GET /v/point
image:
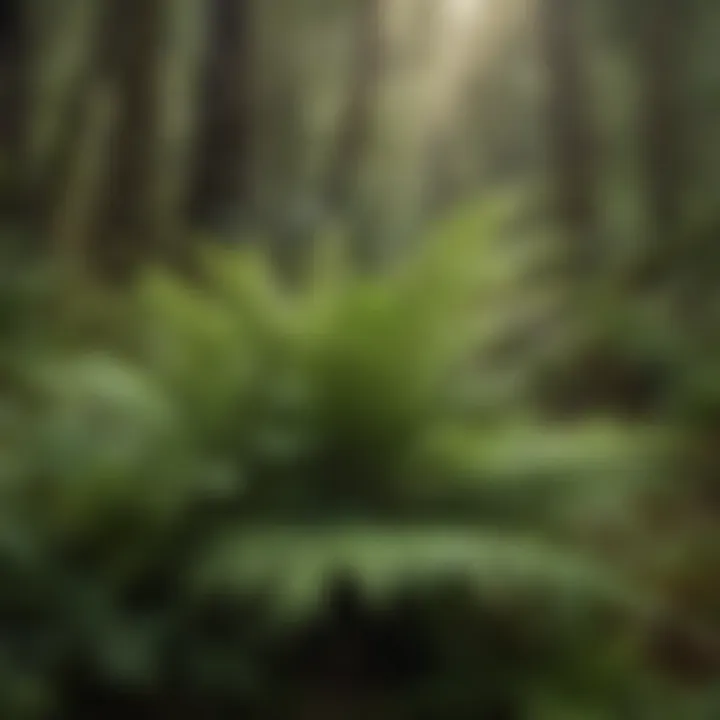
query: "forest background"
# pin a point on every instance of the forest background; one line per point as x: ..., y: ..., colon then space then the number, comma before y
x: 359, y: 358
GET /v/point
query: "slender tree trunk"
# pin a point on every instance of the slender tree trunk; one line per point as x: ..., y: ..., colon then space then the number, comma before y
x: 221, y: 191
x: 355, y: 129
x: 571, y: 136
x: 71, y: 223
x: 13, y: 101
x: 662, y: 123
x: 178, y: 112
x: 284, y: 202
x: 128, y: 227
x: 62, y: 54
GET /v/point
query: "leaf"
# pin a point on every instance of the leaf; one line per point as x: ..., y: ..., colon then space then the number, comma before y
x: 296, y: 561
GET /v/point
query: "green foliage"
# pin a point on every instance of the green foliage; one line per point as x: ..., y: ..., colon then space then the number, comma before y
x: 141, y: 476
x: 168, y: 452
x: 339, y: 376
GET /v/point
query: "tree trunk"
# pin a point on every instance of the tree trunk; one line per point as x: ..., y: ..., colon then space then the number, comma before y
x: 128, y: 228
x: 221, y: 192
x: 13, y: 101
x: 62, y: 58
x: 662, y: 125
x: 356, y: 125
x: 571, y: 136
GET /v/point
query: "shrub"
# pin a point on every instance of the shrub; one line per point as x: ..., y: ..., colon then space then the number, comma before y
x: 144, y: 475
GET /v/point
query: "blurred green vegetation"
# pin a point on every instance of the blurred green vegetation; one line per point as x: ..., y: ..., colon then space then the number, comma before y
x: 358, y: 360
x: 202, y: 443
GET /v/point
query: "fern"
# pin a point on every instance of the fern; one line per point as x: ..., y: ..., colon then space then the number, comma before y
x: 337, y: 415
x: 386, y: 558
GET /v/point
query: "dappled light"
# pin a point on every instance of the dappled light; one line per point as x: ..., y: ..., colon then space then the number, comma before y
x: 359, y: 359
